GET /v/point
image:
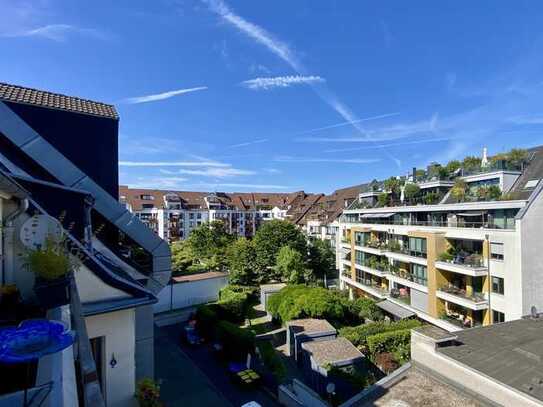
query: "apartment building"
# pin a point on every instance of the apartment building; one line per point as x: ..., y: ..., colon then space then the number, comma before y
x: 58, y: 160
x: 459, y: 250
x: 174, y: 214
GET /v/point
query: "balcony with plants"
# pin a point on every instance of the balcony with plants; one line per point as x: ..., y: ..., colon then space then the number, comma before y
x: 374, y: 285
x: 464, y: 260
x: 372, y: 264
x: 465, y: 292
x: 43, y: 336
x: 409, y: 273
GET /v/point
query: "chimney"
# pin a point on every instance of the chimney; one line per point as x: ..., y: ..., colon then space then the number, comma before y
x: 414, y: 174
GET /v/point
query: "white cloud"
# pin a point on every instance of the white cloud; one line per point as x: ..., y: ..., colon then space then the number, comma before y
x: 58, y: 32
x: 172, y: 164
x: 425, y: 141
x: 526, y: 119
x: 289, y: 159
x: 161, y: 96
x: 248, y: 143
x: 280, y: 82
x: 213, y: 172
x: 272, y: 170
x: 255, y: 32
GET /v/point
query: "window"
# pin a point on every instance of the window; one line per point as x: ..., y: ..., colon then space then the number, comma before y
x: 498, y: 316
x: 497, y: 285
x: 147, y: 206
x: 531, y: 184
x: 191, y: 216
x: 419, y: 274
x: 496, y: 251
x: 417, y: 246
x: 147, y: 197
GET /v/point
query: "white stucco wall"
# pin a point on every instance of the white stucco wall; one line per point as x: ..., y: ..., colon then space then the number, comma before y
x: 531, y: 250
x: 118, y: 330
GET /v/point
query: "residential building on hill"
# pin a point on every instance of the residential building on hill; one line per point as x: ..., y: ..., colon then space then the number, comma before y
x: 458, y: 249
x: 59, y: 178
x: 174, y: 214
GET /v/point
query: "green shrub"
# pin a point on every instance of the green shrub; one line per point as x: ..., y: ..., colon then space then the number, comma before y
x: 366, y: 308
x: 236, y: 301
x: 234, y: 288
x: 395, y: 342
x: 299, y: 301
x: 207, y: 318
x: 236, y: 341
x: 359, y: 335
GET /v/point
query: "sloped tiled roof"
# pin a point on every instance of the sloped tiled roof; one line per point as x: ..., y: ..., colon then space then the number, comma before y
x: 533, y: 172
x: 196, y: 200
x: 29, y: 96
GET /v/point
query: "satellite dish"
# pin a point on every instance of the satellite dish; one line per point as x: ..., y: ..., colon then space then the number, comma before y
x: 330, y: 388
x: 36, y: 229
x: 533, y: 312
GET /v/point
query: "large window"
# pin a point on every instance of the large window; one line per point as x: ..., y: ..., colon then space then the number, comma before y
x: 147, y: 197
x: 497, y: 285
x: 417, y: 246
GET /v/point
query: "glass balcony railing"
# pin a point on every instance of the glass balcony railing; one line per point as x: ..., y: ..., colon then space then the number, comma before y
x: 441, y: 224
x: 418, y: 279
x: 462, y: 293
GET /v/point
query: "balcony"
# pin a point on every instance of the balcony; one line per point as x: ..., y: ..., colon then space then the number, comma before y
x: 409, y: 280
x: 469, y: 264
x: 67, y: 378
x: 376, y: 247
x: 476, y: 301
x: 405, y: 255
x: 367, y: 286
x: 348, y: 218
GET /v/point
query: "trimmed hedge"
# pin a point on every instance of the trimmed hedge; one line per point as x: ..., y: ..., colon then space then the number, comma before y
x: 236, y: 341
x: 367, y: 308
x: 359, y: 335
x: 395, y: 342
x: 236, y: 302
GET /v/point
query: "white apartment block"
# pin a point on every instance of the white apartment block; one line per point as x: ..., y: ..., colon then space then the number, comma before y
x: 457, y: 262
x: 173, y: 215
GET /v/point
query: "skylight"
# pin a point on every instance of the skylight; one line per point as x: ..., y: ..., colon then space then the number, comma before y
x: 531, y: 184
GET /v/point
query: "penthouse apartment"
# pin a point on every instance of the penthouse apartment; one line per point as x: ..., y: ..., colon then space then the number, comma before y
x: 174, y: 214
x: 458, y: 246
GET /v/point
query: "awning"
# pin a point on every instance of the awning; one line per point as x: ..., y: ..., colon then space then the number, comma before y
x: 471, y: 214
x: 394, y: 309
x: 378, y: 215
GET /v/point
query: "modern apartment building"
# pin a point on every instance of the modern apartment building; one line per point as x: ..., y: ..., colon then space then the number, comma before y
x: 58, y: 160
x: 459, y: 250
x: 174, y: 214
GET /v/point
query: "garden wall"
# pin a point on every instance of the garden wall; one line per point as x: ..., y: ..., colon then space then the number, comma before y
x: 187, y: 291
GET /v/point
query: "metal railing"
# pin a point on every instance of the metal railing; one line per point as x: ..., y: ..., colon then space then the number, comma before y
x: 444, y: 224
x: 462, y: 293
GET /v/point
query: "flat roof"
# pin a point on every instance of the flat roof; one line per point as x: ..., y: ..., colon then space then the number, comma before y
x: 310, y: 325
x: 395, y: 309
x: 435, y: 333
x: 510, y: 353
x: 272, y: 287
x: 417, y: 388
x: 199, y: 276
x: 332, y: 351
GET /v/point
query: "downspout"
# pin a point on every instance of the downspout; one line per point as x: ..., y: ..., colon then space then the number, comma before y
x: 7, y: 239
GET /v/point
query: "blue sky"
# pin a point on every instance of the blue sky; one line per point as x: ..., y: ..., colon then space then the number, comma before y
x: 288, y: 95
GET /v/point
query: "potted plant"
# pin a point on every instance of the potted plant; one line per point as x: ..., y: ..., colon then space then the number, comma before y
x: 148, y: 393
x: 52, y: 263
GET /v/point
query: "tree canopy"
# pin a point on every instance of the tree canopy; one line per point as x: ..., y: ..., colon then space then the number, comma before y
x: 241, y: 262
x: 291, y: 266
x: 272, y: 236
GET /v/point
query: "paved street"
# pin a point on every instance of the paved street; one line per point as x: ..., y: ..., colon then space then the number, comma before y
x: 192, y: 377
x: 182, y: 382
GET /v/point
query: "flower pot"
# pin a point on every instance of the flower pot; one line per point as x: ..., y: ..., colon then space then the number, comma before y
x: 52, y: 293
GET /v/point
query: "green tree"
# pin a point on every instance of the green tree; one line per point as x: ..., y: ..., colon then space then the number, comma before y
x: 411, y: 190
x: 208, y: 242
x: 182, y: 257
x: 459, y: 190
x: 322, y: 259
x: 517, y: 156
x: 382, y: 199
x: 291, y: 266
x: 269, y: 239
x: 393, y: 185
x: 241, y: 262
x: 471, y: 163
x: 453, y: 166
